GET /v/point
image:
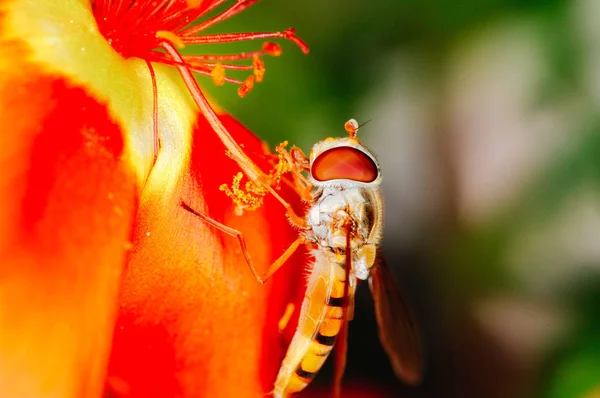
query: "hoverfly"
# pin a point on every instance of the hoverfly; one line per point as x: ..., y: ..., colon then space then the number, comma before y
x: 343, y: 229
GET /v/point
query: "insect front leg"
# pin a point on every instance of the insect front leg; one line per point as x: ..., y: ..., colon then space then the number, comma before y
x: 240, y: 237
x: 298, y: 163
x: 279, y: 262
x: 295, y: 162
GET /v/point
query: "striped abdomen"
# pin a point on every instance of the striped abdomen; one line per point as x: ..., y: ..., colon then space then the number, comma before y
x: 318, y: 326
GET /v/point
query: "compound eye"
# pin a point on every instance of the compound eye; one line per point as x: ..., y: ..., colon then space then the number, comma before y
x: 344, y: 163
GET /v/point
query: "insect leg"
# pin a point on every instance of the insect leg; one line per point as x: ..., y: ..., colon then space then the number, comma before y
x: 280, y: 261
x: 289, y: 211
x: 300, y: 159
x: 298, y: 163
x: 240, y: 237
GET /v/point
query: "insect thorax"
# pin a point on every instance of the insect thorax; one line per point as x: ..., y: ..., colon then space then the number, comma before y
x: 337, y: 212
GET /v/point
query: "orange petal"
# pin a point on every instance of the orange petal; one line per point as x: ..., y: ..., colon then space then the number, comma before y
x: 65, y: 220
x: 194, y: 322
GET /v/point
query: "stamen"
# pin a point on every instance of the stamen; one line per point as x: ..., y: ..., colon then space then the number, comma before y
x: 251, y: 196
x: 289, y: 34
x: 218, y: 74
x: 259, y: 68
x: 126, y: 25
x: 206, y: 72
x: 236, y: 8
x: 248, y: 198
x: 282, y: 167
x: 171, y: 37
x: 221, y: 57
x: 272, y: 49
x: 158, y: 8
x: 246, y: 87
x: 224, y: 66
x: 211, y: 7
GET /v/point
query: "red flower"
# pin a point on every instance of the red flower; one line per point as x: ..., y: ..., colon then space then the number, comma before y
x: 92, y: 232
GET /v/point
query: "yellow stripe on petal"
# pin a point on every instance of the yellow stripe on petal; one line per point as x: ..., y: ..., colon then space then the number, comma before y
x: 64, y: 39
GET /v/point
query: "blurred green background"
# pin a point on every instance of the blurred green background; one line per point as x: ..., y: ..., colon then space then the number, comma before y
x: 484, y: 116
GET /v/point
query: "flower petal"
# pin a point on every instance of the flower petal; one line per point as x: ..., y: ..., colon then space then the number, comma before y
x: 65, y: 220
x: 194, y: 321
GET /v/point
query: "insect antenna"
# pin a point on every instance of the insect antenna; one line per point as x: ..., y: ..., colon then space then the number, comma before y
x: 363, y: 124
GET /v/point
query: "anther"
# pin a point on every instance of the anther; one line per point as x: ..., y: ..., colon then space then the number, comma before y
x: 171, y: 38
x: 259, y: 68
x: 290, y: 34
x: 218, y: 74
x: 273, y: 49
x: 246, y: 86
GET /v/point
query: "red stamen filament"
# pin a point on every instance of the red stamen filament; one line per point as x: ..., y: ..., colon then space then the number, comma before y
x: 230, y: 12
x: 228, y: 66
x: 233, y: 37
x: 252, y: 171
x: 221, y: 57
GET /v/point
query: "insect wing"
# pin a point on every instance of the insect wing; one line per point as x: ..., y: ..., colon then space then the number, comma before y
x: 397, y: 329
